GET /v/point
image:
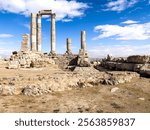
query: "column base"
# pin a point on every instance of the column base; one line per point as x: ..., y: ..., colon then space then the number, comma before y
x: 68, y: 53
x: 83, y: 59
x: 39, y: 49
x: 83, y: 53
x: 52, y: 54
x: 34, y: 51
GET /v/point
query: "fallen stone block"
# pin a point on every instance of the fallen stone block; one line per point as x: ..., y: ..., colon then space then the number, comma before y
x: 138, y: 59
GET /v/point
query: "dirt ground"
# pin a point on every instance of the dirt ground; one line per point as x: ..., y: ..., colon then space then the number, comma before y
x: 130, y: 97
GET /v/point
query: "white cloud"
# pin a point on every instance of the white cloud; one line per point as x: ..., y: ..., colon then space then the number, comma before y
x: 120, y: 5
x: 127, y: 32
x: 63, y: 8
x: 119, y: 50
x: 6, y: 35
x: 130, y: 22
x: 66, y: 20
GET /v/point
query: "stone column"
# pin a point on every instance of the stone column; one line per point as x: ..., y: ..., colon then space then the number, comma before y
x: 39, y: 34
x: 33, y: 32
x: 53, y: 34
x: 68, y: 44
x: 24, y: 43
x: 82, y: 51
x: 83, y: 59
x: 83, y: 40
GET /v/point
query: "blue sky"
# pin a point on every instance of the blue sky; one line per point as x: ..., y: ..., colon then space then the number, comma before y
x: 116, y: 27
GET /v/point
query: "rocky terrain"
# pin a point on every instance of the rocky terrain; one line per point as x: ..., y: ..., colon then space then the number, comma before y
x: 50, y: 88
x: 33, y: 81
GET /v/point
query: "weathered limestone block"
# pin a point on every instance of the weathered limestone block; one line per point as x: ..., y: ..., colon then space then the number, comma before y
x: 35, y: 90
x: 7, y: 90
x: 120, y: 77
x: 29, y: 60
x: 145, y: 72
x: 137, y: 67
x: 110, y: 65
x: 83, y: 60
x: 143, y: 69
x: 125, y: 66
x: 83, y: 70
x: 138, y: 59
x: 118, y: 66
x: 119, y: 59
x: 25, y: 43
x: 41, y: 63
x: 113, y: 90
x: 23, y: 62
x: 13, y: 64
x: 145, y: 66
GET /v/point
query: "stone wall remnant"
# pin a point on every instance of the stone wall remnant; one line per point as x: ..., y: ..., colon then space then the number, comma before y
x: 25, y: 43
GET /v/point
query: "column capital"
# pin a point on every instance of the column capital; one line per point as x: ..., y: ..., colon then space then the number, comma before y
x: 83, y: 32
x: 53, y: 15
x: 39, y: 15
x: 69, y: 40
x: 33, y: 14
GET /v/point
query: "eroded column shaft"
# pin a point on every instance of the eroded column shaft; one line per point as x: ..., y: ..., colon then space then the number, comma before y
x: 33, y: 32
x: 53, y: 34
x: 69, y: 45
x: 83, y: 40
x: 39, y: 34
x: 25, y: 41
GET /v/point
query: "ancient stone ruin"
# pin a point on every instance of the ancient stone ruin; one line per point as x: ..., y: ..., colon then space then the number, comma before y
x: 136, y: 63
x: 59, y: 72
x: 32, y: 56
x: 36, y: 33
x: 83, y: 60
x: 68, y: 45
x: 25, y: 43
